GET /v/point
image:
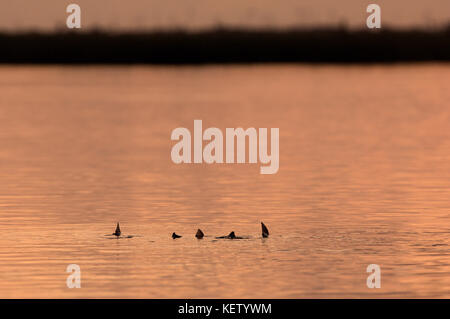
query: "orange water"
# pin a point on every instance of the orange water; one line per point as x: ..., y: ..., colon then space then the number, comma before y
x: 364, y: 179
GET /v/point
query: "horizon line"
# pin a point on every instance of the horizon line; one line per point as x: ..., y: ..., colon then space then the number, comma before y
x: 444, y: 27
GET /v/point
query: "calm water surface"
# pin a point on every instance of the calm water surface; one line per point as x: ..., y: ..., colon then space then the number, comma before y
x: 364, y: 179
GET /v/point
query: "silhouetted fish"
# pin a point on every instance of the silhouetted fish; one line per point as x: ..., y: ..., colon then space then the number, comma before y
x: 117, y: 232
x: 199, y: 234
x: 230, y: 236
x: 175, y: 236
x: 265, y: 231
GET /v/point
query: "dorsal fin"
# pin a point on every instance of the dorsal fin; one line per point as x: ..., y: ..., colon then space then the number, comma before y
x: 265, y: 231
x: 232, y: 235
x: 199, y: 234
x: 117, y: 232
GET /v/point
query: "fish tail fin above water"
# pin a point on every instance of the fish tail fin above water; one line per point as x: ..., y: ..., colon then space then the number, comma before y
x: 174, y: 236
x: 199, y: 234
x: 117, y: 232
x: 265, y: 231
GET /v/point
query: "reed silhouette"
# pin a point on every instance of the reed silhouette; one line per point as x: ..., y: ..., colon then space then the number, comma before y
x: 227, y: 46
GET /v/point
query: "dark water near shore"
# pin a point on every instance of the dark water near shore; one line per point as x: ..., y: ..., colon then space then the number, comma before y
x: 364, y: 179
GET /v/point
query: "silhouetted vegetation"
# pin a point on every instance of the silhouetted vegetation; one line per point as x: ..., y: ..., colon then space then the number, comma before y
x: 227, y: 46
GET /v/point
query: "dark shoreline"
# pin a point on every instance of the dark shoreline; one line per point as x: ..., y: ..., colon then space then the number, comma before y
x: 226, y: 46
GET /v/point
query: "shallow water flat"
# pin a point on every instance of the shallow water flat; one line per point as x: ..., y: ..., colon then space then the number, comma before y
x: 364, y: 179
